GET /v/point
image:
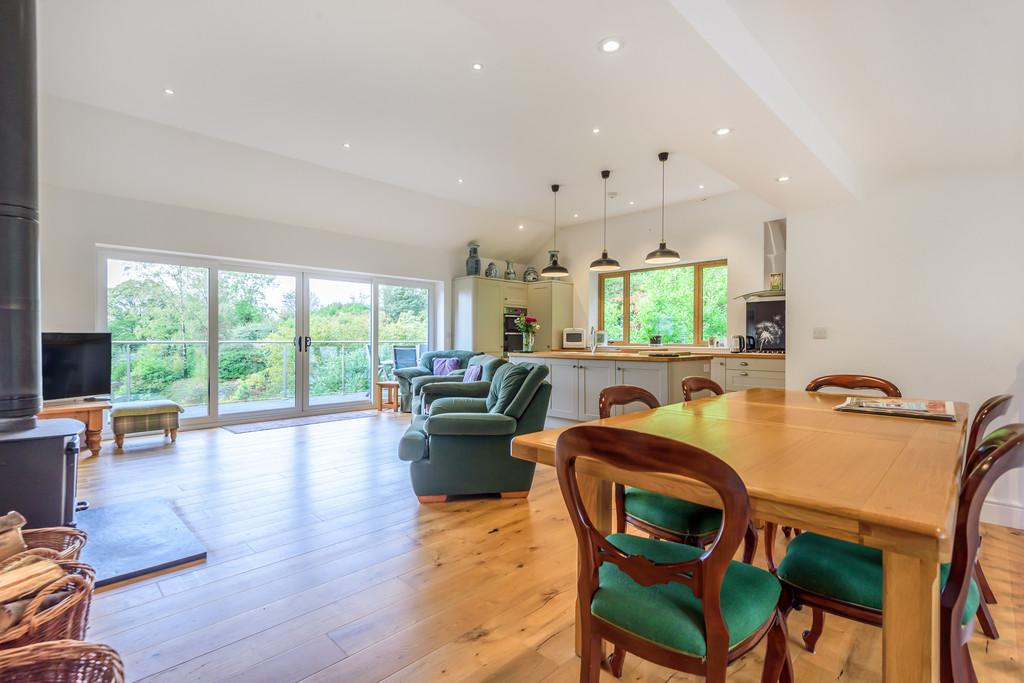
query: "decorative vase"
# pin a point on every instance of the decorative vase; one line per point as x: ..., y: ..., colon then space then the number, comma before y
x: 510, y: 271
x: 530, y: 274
x: 492, y: 270
x: 473, y: 261
x: 527, y: 342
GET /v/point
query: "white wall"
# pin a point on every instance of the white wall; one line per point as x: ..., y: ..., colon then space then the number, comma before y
x: 72, y: 223
x: 729, y: 226
x: 921, y: 283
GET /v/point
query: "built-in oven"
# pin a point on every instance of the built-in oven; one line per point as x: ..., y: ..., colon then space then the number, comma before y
x: 513, y: 337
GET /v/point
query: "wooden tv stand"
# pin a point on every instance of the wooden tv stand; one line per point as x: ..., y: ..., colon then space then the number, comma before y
x: 88, y: 412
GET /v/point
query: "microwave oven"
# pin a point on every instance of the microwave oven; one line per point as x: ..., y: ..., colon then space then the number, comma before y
x: 574, y: 338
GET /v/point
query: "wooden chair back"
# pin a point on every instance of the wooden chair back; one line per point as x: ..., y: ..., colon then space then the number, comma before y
x: 638, y: 452
x: 623, y: 395
x: 997, y: 454
x: 854, y: 382
x: 989, y: 411
x: 693, y: 384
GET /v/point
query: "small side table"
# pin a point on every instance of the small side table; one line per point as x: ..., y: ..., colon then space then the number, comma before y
x: 387, y: 395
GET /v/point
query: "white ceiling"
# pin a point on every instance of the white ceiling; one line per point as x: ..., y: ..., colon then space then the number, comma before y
x: 824, y: 92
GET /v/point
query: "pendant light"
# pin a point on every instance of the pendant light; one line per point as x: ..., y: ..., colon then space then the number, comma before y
x: 605, y: 264
x: 554, y: 269
x: 662, y: 255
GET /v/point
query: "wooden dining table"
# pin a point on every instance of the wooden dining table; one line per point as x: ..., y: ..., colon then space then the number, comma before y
x: 881, y: 481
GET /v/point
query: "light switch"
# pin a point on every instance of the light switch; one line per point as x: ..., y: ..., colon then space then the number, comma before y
x: 820, y: 333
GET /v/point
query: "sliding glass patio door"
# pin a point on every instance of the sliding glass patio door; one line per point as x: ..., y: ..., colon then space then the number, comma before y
x: 231, y: 341
x: 337, y: 343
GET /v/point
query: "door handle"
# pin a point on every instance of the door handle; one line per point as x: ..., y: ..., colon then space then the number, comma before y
x: 744, y: 374
x: 307, y: 341
x: 744, y: 363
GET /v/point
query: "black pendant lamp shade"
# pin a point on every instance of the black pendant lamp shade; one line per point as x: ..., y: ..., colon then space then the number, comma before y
x: 554, y: 268
x: 662, y: 255
x: 605, y: 264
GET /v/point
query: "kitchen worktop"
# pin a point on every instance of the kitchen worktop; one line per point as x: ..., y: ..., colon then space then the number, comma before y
x: 632, y: 355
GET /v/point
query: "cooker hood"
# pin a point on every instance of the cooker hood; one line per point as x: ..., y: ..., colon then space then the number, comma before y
x: 774, y: 261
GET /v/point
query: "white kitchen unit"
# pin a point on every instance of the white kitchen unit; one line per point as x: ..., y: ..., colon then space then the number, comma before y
x: 718, y: 371
x: 550, y: 303
x: 748, y: 373
x: 576, y: 383
x: 478, y: 309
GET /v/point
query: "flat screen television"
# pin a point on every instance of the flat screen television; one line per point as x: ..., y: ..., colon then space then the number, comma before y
x: 76, y: 364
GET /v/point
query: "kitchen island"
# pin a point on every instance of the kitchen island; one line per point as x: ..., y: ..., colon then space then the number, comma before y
x: 578, y: 376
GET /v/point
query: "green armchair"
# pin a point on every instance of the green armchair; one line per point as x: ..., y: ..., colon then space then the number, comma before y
x: 463, y: 446
x: 425, y: 368
x: 427, y: 388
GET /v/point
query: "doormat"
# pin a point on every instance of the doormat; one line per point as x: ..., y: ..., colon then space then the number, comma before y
x: 298, y: 421
x: 132, y: 539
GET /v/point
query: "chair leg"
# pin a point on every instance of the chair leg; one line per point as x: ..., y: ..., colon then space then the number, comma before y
x: 769, y: 546
x: 514, y: 494
x: 432, y: 499
x: 986, y: 589
x: 590, y: 660
x: 786, y: 531
x: 119, y: 440
x: 620, y: 508
x: 750, y: 543
x: 174, y: 434
x: 811, y: 635
x: 777, y: 664
x: 616, y: 660
x: 988, y: 624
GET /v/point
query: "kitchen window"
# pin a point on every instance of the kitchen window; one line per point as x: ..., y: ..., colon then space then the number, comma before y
x: 685, y: 304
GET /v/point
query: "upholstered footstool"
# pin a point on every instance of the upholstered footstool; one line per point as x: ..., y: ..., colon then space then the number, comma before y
x: 144, y: 416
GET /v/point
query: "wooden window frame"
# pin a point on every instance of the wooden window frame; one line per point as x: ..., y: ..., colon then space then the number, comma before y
x: 698, y: 297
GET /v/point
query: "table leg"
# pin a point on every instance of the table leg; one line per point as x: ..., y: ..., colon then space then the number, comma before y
x: 910, y: 629
x: 597, y: 499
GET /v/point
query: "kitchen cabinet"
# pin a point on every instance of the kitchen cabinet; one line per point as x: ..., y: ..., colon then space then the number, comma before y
x: 478, y: 310
x: 718, y: 371
x: 594, y: 376
x: 576, y: 384
x: 563, y: 374
x: 513, y: 294
x: 750, y: 373
x: 650, y: 376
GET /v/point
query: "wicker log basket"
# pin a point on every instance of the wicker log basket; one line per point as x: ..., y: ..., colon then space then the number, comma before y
x: 65, y: 541
x: 66, y: 619
x: 61, y: 661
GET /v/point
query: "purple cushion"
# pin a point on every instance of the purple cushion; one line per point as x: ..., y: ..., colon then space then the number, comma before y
x: 473, y: 373
x: 445, y: 366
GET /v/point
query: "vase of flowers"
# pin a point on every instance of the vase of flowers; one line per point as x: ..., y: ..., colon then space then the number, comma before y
x: 528, y: 325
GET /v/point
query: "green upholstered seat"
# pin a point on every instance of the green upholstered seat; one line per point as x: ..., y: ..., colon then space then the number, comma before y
x: 681, y: 516
x: 847, y: 572
x: 670, y: 614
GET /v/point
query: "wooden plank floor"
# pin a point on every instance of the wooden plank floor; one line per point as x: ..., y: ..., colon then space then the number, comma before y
x: 323, y: 567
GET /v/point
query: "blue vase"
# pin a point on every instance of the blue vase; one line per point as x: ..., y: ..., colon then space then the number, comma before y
x: 473, y: 262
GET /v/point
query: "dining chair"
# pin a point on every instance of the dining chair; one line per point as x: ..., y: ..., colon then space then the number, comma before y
x: 673, y: 604
x: 838, y: 381
x: 999, y: 452
x: 691, y: 385
x: 989, y: 410
x: 659, y: 516
x: 846, y: 579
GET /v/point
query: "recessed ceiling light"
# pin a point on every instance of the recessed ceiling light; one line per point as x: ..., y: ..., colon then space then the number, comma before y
x: 700, y: 187
x: 478, y: 67
x: 521, y: 227
x: 168, y: 91
x: 631, y: 202
x: 575, y: 215
x: 723, y: 131
x: 782, y: 179
x: 459, y: 180
x: 596, y: 131
x: 610, y: 45
x: 347, y: 145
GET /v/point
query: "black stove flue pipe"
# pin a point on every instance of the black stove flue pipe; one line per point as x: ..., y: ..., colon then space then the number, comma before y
x: 20, y: 363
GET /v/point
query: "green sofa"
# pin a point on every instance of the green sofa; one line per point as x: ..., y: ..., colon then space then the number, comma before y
x: 430, y: 387
x: 463, y: 446
x: 425, y: 368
